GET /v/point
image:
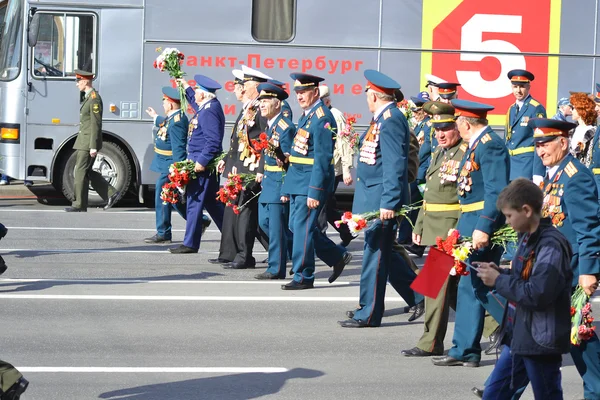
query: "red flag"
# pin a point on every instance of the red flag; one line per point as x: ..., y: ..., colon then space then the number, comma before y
x: 434, y: 273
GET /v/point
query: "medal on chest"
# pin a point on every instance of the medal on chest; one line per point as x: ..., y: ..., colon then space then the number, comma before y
x: 465, y: 182
x: 552, y: 207
x: 162, y: 133
x: 193, y: 125
x: 368, y: 150
x: 449, y: 171
x: 301, y: 141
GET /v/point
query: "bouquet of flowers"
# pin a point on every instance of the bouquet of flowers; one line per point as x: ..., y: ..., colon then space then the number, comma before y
x: 171, y: 60
x: 405, y: 106
x: 349, y: 135
x: 212, y: 166
x: 180, y: 174
x: 233, y: 187
x: 358, y: 222
x: 582, y: 327
x: 260, y: 144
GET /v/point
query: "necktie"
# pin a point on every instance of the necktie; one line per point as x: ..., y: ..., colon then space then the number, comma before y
x: 517, y: 108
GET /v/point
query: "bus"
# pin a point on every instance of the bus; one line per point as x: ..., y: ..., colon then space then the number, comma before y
x: 472, y: 42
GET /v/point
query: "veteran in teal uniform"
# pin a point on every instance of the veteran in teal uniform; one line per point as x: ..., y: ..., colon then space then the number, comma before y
x: 382, y: 185
x: 524, y: 163
x: 483, y: 173
x: 571, y: 201
x: 273, y: 214
x: 307, y: 185
x: 448, y: 91
x: 286, y: 110
x: 170, y: 143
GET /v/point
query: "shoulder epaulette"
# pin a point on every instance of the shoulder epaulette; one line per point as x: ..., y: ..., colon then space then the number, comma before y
x: 177, y: 117
x: 207, y: 106
x: 282, y: 124
x: 463, y: 147
x: 486, y: 138
x: 93, y: 94
x: 320, y: 113
x: 570, y: 169
x: 387, y: 114
x: 534, y: 102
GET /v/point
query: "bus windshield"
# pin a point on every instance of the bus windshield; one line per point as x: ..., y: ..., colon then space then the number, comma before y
x: 10, y: 41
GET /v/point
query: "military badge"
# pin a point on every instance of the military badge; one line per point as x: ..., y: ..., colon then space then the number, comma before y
x: 162, y: 133
x: 96, y: 108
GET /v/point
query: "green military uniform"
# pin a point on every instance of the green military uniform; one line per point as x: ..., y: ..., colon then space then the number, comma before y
x: 9, y: 376
x: 439, y: 214
x: 89, y: 137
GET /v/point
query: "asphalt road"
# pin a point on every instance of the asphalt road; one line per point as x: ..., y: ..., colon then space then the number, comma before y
x: 89, y: 311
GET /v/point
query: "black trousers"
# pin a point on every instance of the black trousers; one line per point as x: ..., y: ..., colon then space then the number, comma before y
x: 330, y: 214
x: 240, y: 230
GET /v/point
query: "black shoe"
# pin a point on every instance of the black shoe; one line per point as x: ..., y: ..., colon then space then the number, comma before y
x: 3, y: 267
x: 267, y: 275
x: 339, y: 267
x: 448, y: 361
x: 477, y: 392
x: 417, y: 352
x: 205, y: 224
x: 74, y: 209
x: 238, y: 265
x: 3, y: 231
x: 157, y: 240
x: 494, y: 341
x: 218, y: 261
x: 418, y: 312
x: 293, y: 285
x: 16, y: 390
x: 182, y: 250
x: 416, y: 250
x: 353, y: 323
x: 291, y: 271
x: 112, y: 200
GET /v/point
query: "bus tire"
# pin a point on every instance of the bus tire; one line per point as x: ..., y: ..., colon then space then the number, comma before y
x: 114, y: 167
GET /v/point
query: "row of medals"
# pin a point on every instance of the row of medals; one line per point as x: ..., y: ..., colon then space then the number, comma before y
x: 368, y: 151
x: 162, y: 133
x: 464, y: 181
x: 248, y: 157
x: 274, y: 142
x: 449, y: 171
x: 301, y: 142
x: 552, y: 200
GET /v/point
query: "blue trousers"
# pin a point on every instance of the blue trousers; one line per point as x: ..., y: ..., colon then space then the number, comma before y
x: 515, y: 371
x: 471, y: 304
x: 308, y: 239
x: 273, y: 220
x: 201, y: 193
x: 379, y: 264
x: 163, y: 211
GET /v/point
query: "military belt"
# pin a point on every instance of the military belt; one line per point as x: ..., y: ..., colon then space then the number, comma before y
x: 273, y: 168
x: 471, y: 207
x: 163, y: 152
x: 433, y: 207
x: 596, y: 171
x: 521, y: 150
x: 303, y: 160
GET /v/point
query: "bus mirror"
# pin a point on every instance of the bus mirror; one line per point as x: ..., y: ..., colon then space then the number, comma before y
x: 33, y: 28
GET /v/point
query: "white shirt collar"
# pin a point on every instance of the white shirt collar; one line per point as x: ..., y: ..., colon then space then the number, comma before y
x: 88, y: 91
x: 476, y: 136
x: 378, y: 112
x: 271, y: 121
x: 172, y: 112
x: 313, y: 105
x: 551, y: 171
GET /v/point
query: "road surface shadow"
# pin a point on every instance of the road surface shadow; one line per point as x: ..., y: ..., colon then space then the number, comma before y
x: 227, y: 387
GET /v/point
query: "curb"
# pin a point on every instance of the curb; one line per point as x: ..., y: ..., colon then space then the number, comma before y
x: 17, y: 189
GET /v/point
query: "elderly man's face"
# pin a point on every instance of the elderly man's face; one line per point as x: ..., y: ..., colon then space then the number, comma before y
x: 448, y: 136
x: 307, y: 97
x: 553, y: 151
x: 269, y: 108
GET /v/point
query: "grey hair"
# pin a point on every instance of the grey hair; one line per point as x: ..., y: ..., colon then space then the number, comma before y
x: 383, y: 96
x: 476, y: 121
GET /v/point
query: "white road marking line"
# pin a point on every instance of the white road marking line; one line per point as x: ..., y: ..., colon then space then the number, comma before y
x: 90, y: 211
x: 48, y: 228
x: 105, y: 281
x: 290, y: 298
x: 76, y: 251
x: 137, y: 370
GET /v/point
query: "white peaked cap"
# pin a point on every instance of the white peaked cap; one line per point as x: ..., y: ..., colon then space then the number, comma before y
x: 252, y: 72
x: 323, y: 91
x: 238, y: 74
x: 434, y: 79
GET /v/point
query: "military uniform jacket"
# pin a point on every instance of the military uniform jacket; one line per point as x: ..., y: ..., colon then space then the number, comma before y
x: 313, y: 145
x: 595, y: 163
x: 440, y: 193
x: 90, y: 123
x: 286, y: 110
x: 524, y: 161
x: 171, y: 137
x: 571, y: 201
x: 205, y: 130
x: 483, y: 173
x: 249, y: 125
x: 429, y: 145
x: 382, y: 169
x: 280, y: 134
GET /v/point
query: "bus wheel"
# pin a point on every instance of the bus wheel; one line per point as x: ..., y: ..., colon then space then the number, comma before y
x: 111, y: 162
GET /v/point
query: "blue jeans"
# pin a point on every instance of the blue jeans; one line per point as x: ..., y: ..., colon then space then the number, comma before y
x: 513, y: 371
